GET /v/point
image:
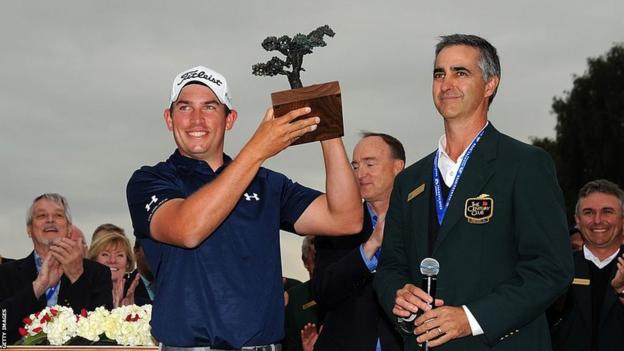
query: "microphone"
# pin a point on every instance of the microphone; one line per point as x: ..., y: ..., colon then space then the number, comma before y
x: 429, y: 268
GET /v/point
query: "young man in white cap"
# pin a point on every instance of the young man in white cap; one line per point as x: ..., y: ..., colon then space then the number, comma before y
x: 209, y: 224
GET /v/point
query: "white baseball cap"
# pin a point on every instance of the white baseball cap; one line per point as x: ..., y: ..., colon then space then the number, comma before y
x: 204, y: 75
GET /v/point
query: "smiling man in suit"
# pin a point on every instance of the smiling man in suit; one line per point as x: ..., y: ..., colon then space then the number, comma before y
x: 346, y: 265
x: 488, y: 208
x: 55, y: 272
x: 591, y: 314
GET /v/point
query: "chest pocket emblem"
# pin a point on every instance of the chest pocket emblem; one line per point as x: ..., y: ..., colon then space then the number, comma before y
x: 479, y: 210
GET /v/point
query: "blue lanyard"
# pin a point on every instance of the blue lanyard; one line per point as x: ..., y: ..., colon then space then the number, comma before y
x: 440, y: 207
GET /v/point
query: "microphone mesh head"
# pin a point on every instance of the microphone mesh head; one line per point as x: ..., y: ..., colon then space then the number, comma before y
x: 429, y: 267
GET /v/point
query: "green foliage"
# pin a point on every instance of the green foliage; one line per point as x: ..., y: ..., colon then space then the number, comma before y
x: 30, y: 340
x: 590, y: 126
x: 293, y: 49
x: 41, y: 339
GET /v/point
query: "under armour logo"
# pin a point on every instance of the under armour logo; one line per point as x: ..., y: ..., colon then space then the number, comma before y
x: 249, y: 197
x: 148, y: 206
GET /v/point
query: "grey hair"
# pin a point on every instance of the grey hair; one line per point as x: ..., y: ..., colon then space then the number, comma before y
x: 57, y: 198
x: 306, y: 247
x: 488, y: 58
x: 600, y: 186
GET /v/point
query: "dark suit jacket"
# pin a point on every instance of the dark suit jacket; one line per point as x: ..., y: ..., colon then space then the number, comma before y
x: 93, y: 288
x: 6, y: 260
x: 506, y: 271
x: 573, y: 329
x: 301, y: 309
x: 343, y: 288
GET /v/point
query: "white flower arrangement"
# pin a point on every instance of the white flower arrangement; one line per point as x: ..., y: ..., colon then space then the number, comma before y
x: 92, y: 326
x: 62, y: 327
x: 129, y: 325
x: 58, y: 325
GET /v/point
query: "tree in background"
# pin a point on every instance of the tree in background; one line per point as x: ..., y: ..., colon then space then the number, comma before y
x: 589, y: 141
x: 294, y: 49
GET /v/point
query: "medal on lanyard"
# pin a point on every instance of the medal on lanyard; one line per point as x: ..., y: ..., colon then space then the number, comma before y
x: 440, y: 206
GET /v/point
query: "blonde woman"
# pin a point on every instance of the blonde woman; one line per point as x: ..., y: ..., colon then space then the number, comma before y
x: 114, y: 251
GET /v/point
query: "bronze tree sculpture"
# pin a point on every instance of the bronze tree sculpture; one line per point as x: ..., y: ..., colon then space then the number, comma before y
x: 294, y: 49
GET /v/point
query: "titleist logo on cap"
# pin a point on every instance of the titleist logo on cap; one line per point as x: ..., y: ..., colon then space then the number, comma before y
x: 200, y: 75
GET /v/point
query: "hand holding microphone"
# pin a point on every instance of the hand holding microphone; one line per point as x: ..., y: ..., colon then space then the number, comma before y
x: 434, y: 326
x: 412, y: 301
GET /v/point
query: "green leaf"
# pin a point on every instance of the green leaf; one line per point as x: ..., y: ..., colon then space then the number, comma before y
x: 39, y: 339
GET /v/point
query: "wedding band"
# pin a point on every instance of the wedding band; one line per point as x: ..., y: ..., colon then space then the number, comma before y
x: 440, y: 331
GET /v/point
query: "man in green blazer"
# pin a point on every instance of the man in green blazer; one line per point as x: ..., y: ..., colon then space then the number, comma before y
x: 488, y: 208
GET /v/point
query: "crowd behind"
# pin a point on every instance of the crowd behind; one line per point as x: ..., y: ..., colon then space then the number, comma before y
x: 109, y: 272
x: 131, y: 278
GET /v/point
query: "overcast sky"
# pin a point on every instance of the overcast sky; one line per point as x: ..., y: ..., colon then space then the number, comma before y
x: 84, y: 83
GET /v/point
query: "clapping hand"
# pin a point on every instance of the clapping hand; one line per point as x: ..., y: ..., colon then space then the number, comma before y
x: 69, y: 253
x: 118, y: 291
x: 309, y: 335
x: 49, y: 275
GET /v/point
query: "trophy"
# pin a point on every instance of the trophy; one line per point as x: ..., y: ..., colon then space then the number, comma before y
x: 323, y: 99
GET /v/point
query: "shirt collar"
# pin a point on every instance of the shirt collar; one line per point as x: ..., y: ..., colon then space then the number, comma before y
x: 196, y: 165
x: 442, y: 147
x: 372, y: 214
x: 38, y: 261
x: 148, y: 286
x: 595, y: 260
x: 446, y: 164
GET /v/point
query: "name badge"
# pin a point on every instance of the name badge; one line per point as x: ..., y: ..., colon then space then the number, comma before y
x: 581, y: 281
x: 415, y: 192
x: 308, y: 305
x: 479, y: 210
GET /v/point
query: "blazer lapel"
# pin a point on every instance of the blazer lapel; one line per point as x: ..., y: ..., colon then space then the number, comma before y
x: 610, y: 299
x: 367, y: 225
x: 478, y: 171
x: 582, y: 293
x: 29, y: 269
x: 62, y: 298
x: 420, y: 203
x: 28, y: 266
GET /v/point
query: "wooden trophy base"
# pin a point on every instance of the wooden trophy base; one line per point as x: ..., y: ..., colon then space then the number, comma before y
x: 325, y: 102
